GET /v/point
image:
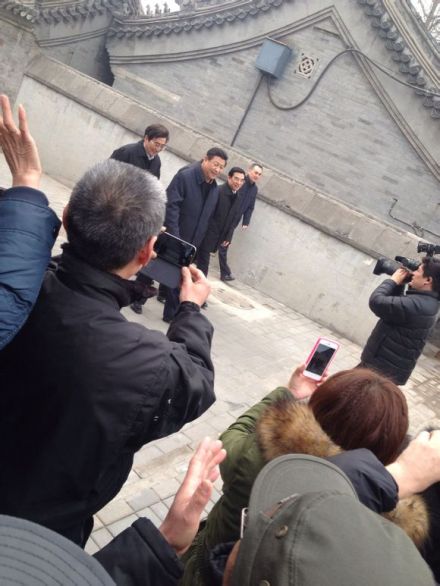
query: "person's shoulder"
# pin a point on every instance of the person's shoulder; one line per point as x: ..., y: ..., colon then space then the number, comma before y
x: 224, y: 187
x: 191, y: 169
x: 189, y: 173
x: 127, y: 149
x: 428, y: 300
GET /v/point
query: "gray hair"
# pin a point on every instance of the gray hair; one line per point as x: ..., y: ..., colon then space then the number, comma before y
x: 113, y: 210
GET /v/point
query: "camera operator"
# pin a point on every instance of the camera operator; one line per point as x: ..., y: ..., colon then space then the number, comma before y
x: 406, y: 320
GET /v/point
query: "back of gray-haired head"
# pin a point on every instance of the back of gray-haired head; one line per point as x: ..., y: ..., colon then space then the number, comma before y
x: 113, y: 210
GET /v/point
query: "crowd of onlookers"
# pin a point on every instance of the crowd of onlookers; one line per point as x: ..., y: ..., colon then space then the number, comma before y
x: 321, y: 483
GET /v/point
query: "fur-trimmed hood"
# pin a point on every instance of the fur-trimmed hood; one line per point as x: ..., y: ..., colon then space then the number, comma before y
x: 289, y: 427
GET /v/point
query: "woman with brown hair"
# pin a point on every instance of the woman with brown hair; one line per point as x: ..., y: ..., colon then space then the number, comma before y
x: 355, y: 408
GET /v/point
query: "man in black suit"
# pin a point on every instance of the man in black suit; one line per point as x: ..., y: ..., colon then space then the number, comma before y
x: 247, y: 197
x: 145, y: 155
x: 192, y: 198
x: 224, y: 220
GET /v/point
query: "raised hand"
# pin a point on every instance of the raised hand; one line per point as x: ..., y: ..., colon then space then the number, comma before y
x: 19, y: 147
x: 302, y: 386
x: 418, y: 466
x: 182, y: 521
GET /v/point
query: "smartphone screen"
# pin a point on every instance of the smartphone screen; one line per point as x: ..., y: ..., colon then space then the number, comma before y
x: 173, y: 250
x: 320, y: 359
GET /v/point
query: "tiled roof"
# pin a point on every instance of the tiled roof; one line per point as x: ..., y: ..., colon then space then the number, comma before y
x: 193, y: 21
x: 383, y: 23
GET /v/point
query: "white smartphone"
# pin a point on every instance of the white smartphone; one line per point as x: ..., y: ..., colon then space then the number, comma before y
x: 320, y: 358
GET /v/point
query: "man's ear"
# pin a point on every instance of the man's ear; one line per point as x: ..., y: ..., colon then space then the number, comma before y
x: 146, y: 253
x: 65, y: 215
x: 429, y: 281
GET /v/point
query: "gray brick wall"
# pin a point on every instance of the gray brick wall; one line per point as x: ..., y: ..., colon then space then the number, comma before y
x: 342, y: 142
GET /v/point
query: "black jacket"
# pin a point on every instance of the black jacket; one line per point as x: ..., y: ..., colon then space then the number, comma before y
x: 400, y: 335
x: 188, y: 210
x: 82, y: 389
x: 374, y: 485
x: 224, y: 220
x: 134, y: 154
x: 140, y: 556
x: 248, y: 195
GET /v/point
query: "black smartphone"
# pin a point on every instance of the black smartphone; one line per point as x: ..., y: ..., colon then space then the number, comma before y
x: 174, y: 250
x: 172, y: 254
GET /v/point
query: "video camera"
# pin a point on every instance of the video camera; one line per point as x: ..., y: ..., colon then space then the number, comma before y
x: 389, y: 266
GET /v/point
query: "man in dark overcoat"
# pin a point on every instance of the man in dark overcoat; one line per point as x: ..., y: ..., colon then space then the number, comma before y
x: 224, y: 220
x: 145, y: 155
x: 192, y: 198
x: 83, y: 388
x: 248, y: 195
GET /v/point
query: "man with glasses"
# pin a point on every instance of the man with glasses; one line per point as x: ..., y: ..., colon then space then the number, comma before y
x: 145, y: 155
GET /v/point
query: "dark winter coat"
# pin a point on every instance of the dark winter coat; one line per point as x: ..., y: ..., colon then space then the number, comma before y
x: 374, y: 485
x: 188, y: 211
x: 276, y: 426
x: 400, y: 335
x: 140, y: 556
x: 28, y: 229
x: 224, y: 220
x: 248, y: 195
x: 82, y: 389
x: 135, y: 154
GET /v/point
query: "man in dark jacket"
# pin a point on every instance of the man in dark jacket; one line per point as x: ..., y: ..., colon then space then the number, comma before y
x: 224, y: 220
x: 82, y: 389
x: 145, y: 155
x: 405, y: 320
x: 192, y: 198
x: 28, y: 227
x: 248, y: 195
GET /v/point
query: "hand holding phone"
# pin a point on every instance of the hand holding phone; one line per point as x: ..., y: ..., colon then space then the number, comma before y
x: 320, y: 358
x: 195, y: 286
x: 300, y: 386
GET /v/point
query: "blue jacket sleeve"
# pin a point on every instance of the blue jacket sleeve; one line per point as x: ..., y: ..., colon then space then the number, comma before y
x: 28, y: 229
x: 140, y: 555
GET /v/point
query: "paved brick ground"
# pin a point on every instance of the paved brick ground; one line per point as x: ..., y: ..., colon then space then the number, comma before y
x: 257, y: 343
